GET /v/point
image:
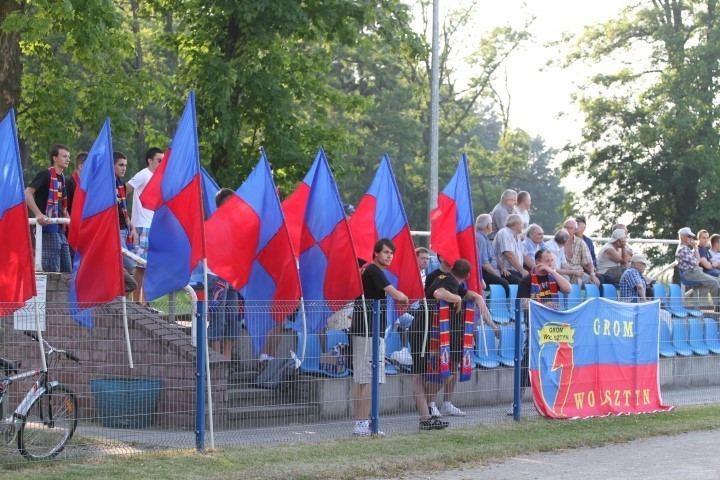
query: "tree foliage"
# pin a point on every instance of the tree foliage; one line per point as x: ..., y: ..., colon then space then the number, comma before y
x: 650, y: 142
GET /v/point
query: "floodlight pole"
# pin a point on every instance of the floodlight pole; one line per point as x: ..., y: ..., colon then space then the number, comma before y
x: 434, y: 107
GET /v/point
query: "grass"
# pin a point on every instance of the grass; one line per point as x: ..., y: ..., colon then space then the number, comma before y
x: 390, y: 456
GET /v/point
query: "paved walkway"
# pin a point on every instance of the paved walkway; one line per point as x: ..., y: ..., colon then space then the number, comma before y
x: 687, y: 456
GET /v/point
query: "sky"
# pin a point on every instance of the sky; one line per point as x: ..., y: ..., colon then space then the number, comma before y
x: 540, y: 95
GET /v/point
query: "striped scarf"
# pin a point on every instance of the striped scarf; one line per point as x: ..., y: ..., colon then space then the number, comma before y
x: 57, y: 197
x: 466, y: 367
x: 217, y: 297
x: 122, y: 201
x: 536, y: 293
x: 438, y: 363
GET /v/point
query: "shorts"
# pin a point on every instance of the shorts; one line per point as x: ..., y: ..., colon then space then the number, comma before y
x: 362, y: 359
x: 141, y: 248
x: 225, y: 319
x: 128, y: 263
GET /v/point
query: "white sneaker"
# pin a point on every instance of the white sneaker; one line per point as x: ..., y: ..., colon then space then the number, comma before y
x: 362, y: 429
x: 434, y: 412
x: 402, y: 357
x: 450, y: 409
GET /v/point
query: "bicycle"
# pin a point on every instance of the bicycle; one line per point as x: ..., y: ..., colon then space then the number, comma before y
x: 45, y: 420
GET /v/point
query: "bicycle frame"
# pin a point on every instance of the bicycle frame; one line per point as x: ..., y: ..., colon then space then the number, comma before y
x: 8, y: 423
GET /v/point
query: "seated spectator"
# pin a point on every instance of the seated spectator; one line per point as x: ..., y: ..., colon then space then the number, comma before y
x: 522, y: 208
x: 557, y: 246
x: 578, y: 255
x: 610, y: 259
x: 510, y: 250
x: 500, y: 212
x: 534, y: 240
x: 486, y: 253
x: 634, y: 288
x: 688, y: 262
x: 705, y: 255
x: 715, y: 250
x: 580, y: 233
x: 627, y: 251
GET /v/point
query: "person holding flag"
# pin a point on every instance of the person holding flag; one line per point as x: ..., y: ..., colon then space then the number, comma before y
x: 375, y: 286
x: 48, y: 191
x: 141, y: 216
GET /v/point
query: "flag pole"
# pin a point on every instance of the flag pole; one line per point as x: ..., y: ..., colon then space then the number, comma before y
x: 367, y: 328
x: 207, y: 356
x: 427, y: 326
x: 304, y: 322
x: 39, y: 333
x: 127, y: 332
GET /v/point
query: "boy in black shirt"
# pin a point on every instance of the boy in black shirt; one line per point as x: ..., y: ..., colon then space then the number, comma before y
x: 375, y: 286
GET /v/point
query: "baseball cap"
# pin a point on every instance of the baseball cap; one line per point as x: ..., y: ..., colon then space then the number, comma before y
x: 618, y: 234
x: 686, y: 231
x: 640, y: 258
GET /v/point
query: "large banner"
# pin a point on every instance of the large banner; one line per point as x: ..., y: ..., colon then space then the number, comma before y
x: 600, y: 358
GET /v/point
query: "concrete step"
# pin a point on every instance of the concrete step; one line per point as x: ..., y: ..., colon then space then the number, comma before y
x: 248, y: 396
x: 272, y: 415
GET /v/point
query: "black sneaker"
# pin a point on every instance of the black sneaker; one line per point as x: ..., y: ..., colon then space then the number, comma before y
x: 433, y: 424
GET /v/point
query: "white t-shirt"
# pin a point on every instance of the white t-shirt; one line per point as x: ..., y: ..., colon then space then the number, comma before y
x: 141, y: 217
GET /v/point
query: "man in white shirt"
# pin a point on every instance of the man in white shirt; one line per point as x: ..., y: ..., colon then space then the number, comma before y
x: 522, y: 208
x: 141, y: 216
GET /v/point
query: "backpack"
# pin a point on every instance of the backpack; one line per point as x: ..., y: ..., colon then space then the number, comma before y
x: 278, y: 374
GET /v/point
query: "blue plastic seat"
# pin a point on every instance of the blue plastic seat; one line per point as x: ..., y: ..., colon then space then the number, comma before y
x: 513, y: 294
x: 659, y: 292
x: 591, y: 291
x: 498, y: 304
x: 485, y: 354
x: 666, y: 345
x: 562, y: 300
x: 676, y: 303
x: 574, y: 298
x: 392, y: 344
x: 695, y: 337
x: 609, y: 291
x: 506, y: 352
x: 686, y: 282
x: 712, y: 335
x: 310, y: 363
x: 336, y: 336
x: 679, y: 338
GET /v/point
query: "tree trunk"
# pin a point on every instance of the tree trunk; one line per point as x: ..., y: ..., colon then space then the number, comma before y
x: 10, y: 66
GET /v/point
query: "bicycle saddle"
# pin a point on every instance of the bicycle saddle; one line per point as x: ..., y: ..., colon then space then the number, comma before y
x: 8, y: 367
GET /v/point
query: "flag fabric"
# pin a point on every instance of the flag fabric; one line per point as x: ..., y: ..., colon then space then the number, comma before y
x: 17, y: 274
x: 97, y: 275
x: 249, y: 246
x: 452, y: 226
x: 380, y: 214
x: 209, y: 190
x: 177, y: 234
x: 328, y: 264
x: 580, y: 367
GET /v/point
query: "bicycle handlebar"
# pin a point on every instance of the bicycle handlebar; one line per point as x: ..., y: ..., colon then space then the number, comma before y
x: 68, y: 355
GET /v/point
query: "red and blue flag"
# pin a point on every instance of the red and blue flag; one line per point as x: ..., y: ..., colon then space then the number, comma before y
x: 97, y: 275
x: 209, y: 190
x: 249, y: 246
x: 176, y: 243
x: 380, y: 214
x: 452, y: 231
x: 17, y: 275
x: 328, y: 264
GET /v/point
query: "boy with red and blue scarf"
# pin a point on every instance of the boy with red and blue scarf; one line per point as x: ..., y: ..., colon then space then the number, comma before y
x: 47, y: 198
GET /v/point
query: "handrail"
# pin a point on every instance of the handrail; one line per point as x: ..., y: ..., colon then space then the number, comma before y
x: 424, y: 233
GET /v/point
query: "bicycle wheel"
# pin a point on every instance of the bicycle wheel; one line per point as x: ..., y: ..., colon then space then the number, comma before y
x: 49, y: 424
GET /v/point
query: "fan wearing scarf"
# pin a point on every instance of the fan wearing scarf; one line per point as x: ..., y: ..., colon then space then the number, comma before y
x: 128, y: 235
x: 47, y: 199
x: 542, y: 284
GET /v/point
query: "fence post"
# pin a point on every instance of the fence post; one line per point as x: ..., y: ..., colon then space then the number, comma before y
x: 375, y: 406
x: 200, y: 378
x: 518, y: 360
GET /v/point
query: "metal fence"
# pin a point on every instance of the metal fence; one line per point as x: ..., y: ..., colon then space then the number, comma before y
x: 154, y: 405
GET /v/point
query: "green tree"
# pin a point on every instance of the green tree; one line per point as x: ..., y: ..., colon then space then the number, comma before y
x: 650, y: 142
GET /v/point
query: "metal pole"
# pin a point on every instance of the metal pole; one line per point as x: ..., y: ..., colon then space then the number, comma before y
x: 200, y: 379
x: 374, y: 417
x: 434, y: 107
x: 518, y: 359
x: 127, y: 332
x: 207, y: 358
